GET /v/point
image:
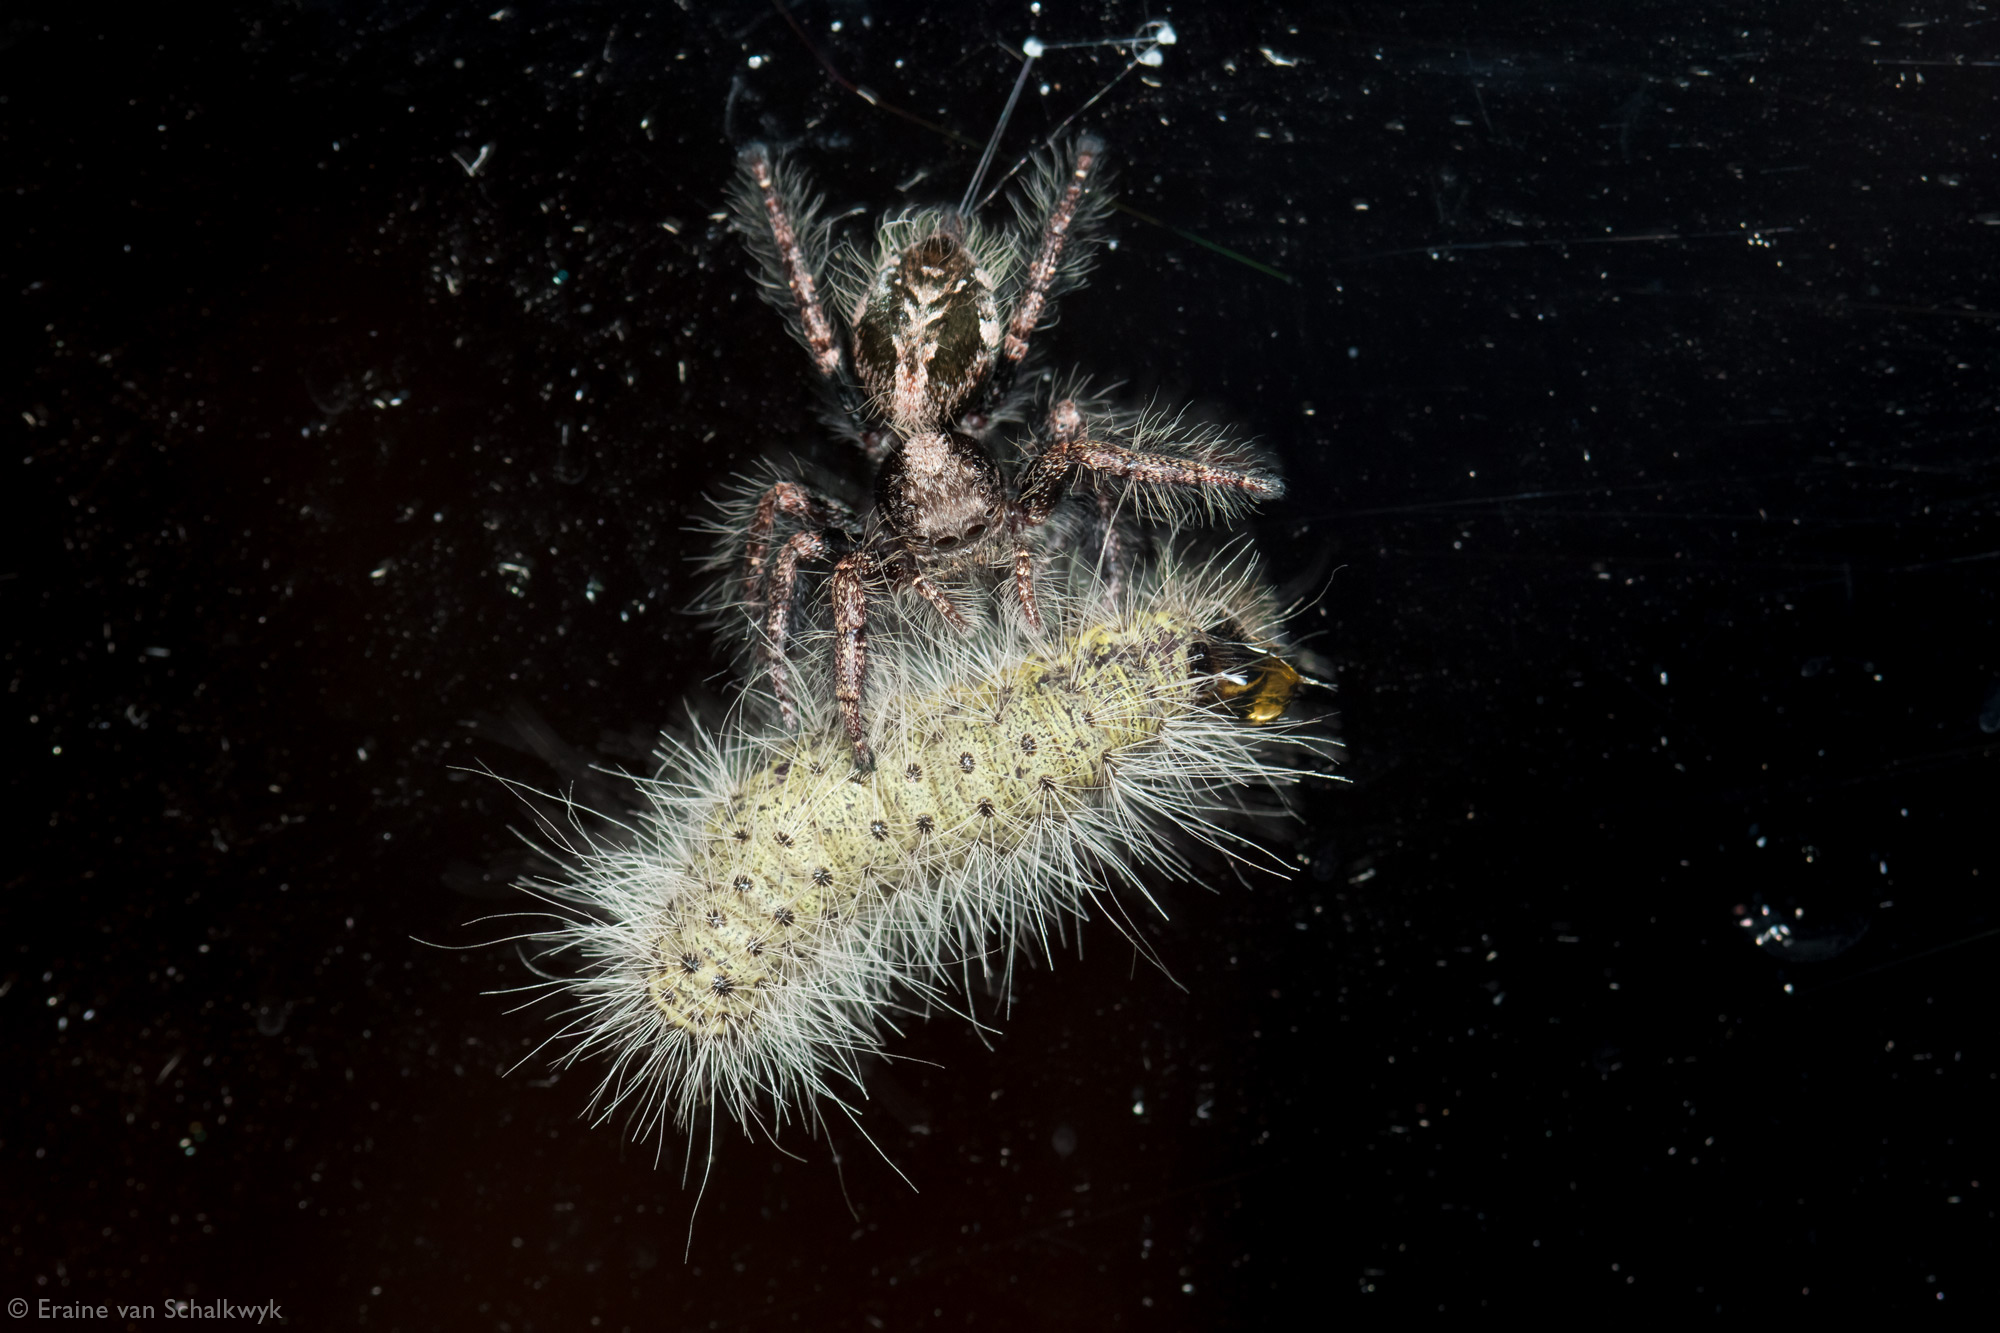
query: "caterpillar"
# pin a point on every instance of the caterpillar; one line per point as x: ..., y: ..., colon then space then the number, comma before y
x: 773, y: 908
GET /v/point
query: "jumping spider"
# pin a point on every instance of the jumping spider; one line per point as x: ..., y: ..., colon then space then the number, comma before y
x: 921, y: 346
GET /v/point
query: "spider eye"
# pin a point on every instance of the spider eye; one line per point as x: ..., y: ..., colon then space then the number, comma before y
x: 945, y: 543
x: 975, y: 532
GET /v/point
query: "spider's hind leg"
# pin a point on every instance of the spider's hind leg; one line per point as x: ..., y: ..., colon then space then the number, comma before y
x: 788, y: 240
x: 1067, y: 201
x: 785, y: 234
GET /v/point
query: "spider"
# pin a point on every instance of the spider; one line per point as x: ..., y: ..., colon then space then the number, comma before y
x: 921, y: 347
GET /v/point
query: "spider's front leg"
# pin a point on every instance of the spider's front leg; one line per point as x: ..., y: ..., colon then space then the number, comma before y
x: 782, y: 588
x: 793, y: 501
x: 850, y: 631
x: 850, y: 626
x: 850, y: 648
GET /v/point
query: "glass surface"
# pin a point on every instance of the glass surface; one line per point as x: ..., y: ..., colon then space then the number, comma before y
x: 1633, y: 368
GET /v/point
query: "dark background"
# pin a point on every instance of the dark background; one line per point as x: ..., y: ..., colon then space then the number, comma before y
x: 1635, y: 370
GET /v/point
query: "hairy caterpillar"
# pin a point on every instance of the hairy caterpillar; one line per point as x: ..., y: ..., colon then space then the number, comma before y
x: 775, y: 906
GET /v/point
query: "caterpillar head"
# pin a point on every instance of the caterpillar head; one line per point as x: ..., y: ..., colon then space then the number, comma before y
x: 1246, y: 678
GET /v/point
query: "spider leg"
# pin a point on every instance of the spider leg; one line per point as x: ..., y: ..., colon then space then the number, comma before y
x: 1045, y: 479
x: 1024, y: 582
x: 791, y: 260
x: 1047, y: 263
x: 1111, y: 566
x: 794, y: 501
x: 1046, y: 268
x: 783, y: 588
x: 1042, y: 485
x: 850, y: 649
x: 1167, y: 470
x: 784, y: 232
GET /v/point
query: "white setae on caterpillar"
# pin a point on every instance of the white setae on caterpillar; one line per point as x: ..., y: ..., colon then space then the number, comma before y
x: 773, y: 907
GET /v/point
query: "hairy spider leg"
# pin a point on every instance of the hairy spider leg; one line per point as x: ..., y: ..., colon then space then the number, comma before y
x: 850, y: 624
x: 1042, y: 485
x: 820, y: 338
x: 1047, y: 479
x: 928, y: 589
x: 850, y: 609
x: 794, y: 501
x: 850, y: 642
x: 1071, y: 446
x: 779, y: 244
x: 1166, y: 470
x: 1110, y: 552
x: 808, y: 545
x: 850, y: 648
x: 1046, y: 266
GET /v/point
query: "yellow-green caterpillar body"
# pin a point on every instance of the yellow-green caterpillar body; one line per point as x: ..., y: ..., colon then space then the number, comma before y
x: 776, y: 906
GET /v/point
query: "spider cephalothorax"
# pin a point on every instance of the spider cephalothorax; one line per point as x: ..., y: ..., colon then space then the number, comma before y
x: 922, y: 345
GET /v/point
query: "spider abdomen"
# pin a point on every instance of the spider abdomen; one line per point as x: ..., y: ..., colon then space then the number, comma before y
x: 926, y: 333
